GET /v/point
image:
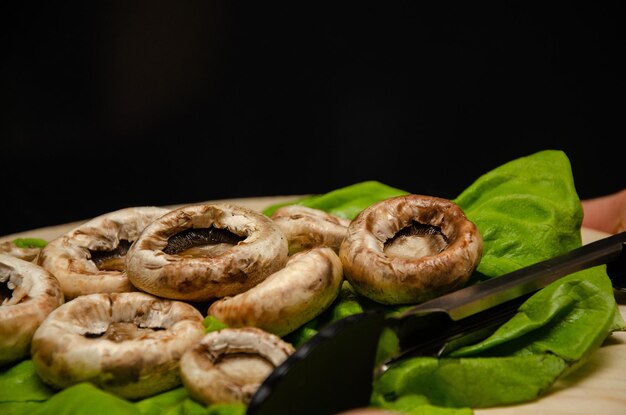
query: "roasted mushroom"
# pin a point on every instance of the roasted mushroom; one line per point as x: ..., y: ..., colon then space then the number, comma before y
x: 411, y: 248
x: 307, y: 227
x: 228, y: 365
x: 289, y: 298
x: 28, y: 293
x: 91, y: 257
x: 129, y: 344
x: 201, y: 252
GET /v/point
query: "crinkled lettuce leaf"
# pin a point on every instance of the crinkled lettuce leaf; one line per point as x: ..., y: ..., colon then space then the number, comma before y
x: 348, y: 201
x: 527, y: 210
x: 554, y: 331
x: 568, y: 319
x: 20, y: 383
x: 22, y: 392
x: 30, y: 242
x: 468, y: 382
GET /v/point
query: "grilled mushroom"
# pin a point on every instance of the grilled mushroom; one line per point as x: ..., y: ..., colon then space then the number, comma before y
x: 228, y: 365
x: 129, y: 344
x: 290, y: 297
x: 307, y: 227
x: 28, y: 293
x: 411, y: 248
x: 201, y: 252
x: 91, y: 258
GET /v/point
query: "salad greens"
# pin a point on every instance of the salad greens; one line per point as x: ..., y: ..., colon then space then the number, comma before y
x: 527, y: 210
x: 29, y: 242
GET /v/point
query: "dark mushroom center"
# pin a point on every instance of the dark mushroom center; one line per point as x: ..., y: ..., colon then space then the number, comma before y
x: 122, y: 331
x: 5, y: 292
x: 112, y: 260
x: 417, y: 240
x: 201, y: 242
x: 11, y: 292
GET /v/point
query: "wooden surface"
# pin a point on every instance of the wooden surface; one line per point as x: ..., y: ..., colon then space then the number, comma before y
x: 597, y: 387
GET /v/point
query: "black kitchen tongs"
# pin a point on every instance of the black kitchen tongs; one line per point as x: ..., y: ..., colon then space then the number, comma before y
x: 334, y: 371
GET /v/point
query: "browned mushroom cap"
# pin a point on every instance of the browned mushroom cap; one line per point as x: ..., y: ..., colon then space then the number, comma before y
x: 306, y: 227
x: 229, y: 365
x: 200, y: 252
x: 90, y: 258
x: 289, y: 298
x: 28, y: 293
x: 410, y: 248
x: 129, y: 344
x: 28, y: 253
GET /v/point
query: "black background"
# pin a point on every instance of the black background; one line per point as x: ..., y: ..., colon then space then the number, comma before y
x: 115, y: 104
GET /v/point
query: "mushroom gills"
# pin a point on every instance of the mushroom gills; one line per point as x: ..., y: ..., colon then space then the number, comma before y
x: 13, y: 297
x: 5, y: 292
x: 201, y: 242
x: 11, y: 291
x: 416, y: 240
x: 122, y: 331
x: 112, y: 260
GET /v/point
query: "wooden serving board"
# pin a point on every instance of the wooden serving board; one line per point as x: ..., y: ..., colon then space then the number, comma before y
x: 597, y: 387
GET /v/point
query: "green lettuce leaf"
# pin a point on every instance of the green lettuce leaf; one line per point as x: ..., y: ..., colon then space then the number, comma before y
x: 568, y: 319
x: 20, y: 383
x: 527, y: 210
x: 178, y: 402
x: 30, y: 242
x: 348, y: 201
x: 210, y: 324
x: 163, y: 403
x: 85, y: 398
x: 554, y: 331
x: 418, y: 405
x: 469, y: 382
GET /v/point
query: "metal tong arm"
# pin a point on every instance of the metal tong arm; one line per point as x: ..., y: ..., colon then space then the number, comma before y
x: 502, y: 295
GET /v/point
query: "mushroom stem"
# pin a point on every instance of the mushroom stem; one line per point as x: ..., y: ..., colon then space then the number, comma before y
x: 289, y: 298
x: 307, y: 227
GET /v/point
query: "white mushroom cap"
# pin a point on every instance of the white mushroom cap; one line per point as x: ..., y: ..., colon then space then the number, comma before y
x: 70, y: 257
x: 229, y: 365
x: 289, y: 298
x: 307, y: 227
x: 129, y: 344
x: 208, y: 272
x: 389, y: 267
x: 34, y: 294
